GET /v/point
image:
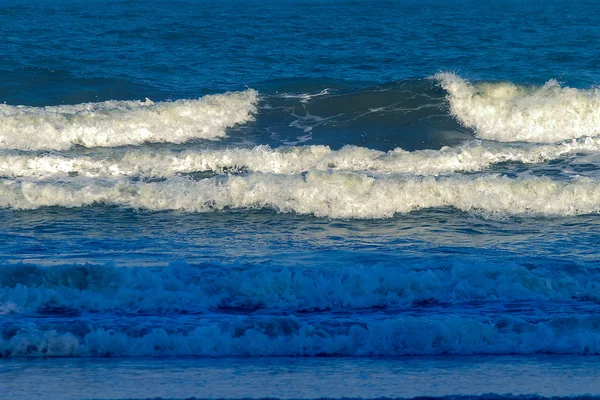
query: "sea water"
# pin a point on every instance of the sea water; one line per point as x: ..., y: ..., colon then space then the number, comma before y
x: 299, y: 199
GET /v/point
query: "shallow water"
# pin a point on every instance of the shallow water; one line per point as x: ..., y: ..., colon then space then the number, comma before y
x: 286, y: 378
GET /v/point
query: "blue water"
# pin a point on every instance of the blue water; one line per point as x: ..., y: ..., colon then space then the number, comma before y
x: 358, y: 186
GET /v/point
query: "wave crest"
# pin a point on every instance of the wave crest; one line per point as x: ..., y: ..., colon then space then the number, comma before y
x: 185, y: 288
x: 120, y: 123
x: 507, y: 112
x: 469, y: 157
x: 334, y: 194
x: 299, y: 336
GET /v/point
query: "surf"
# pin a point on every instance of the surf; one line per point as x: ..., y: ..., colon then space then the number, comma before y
x: 322, y: 194
x: 120, y: 123
x: 508, y: 112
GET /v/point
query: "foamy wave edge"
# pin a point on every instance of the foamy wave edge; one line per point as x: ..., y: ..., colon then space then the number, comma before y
x: 298, y: 336
x: 120, y: 123
x: 507, y: 112
x: 323, y: 194
x: 156, y: 163
x: 184, y: 288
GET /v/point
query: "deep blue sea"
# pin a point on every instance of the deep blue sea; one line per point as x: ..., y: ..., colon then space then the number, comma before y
x: 299, y: 199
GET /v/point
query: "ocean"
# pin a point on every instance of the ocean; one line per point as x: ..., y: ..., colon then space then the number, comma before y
x: 299, y: 199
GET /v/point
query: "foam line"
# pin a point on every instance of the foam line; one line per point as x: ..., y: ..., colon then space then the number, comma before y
x: 153, y: 163
x: 301, y: 336
x: 324, y: 194
x: 26, y: 289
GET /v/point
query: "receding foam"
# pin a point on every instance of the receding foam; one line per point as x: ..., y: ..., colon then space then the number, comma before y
x: 507, y: 112
x: 120, y: 123
x: 324, y: 194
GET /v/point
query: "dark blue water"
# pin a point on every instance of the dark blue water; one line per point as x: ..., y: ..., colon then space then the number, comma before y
x: 300, y: 178
x: 71, y: 51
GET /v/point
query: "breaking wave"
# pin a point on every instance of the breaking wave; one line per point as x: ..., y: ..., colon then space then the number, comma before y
x: 185, y: 288
x: 507, y: 112
x: 120, y: 123
x: 153, y: 163
x: 271, y: 335
x: 324, y: 194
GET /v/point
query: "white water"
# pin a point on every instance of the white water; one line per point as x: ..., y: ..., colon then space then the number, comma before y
x: 335, y: 194
x: 101, y: 288
x: 120, y: 123
x: 507, y: 112
x: 302, y: 335
x: 157, y: 163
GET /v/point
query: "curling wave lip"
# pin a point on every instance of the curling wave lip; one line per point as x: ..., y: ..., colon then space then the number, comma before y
x: 507, y: 112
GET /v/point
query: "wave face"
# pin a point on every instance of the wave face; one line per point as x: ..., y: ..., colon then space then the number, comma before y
x: 507, y: 112
x: 121, y: 123
x: 334, y: 195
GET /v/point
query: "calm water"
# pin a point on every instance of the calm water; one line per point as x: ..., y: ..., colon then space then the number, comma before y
x: 186, y: 183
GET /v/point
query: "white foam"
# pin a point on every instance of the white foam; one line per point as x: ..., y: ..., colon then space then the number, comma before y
x: 335, y: 194
x: 470, y: 157
x: 507, y: 112
x: 26, y: 289
x: 300, y: 336
x: 119, y: 123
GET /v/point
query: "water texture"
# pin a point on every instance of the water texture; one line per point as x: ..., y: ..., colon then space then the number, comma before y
x: 199, y: 181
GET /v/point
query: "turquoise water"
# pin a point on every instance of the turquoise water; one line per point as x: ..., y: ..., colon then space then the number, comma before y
x: 337, y: 183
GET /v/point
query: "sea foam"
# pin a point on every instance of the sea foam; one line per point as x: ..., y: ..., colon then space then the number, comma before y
x: 272, y: 335
x: 157, y: 163
x: 324, y: 194
x: 120, y: 123
x: 507, y: 112
x: 183, y: 288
